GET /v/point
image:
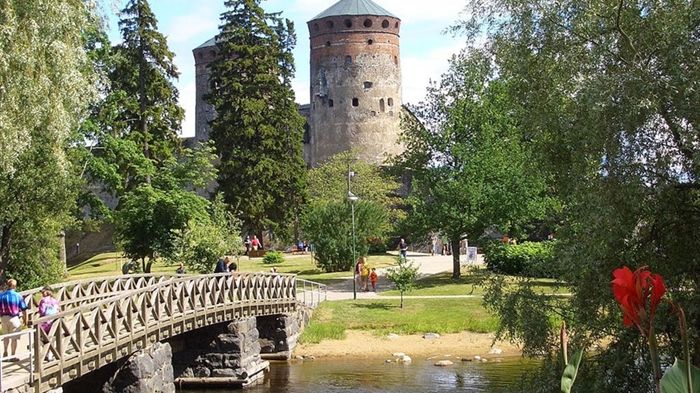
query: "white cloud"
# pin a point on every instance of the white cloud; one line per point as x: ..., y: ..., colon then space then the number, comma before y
x: 188, y: 96
x: 418, y: 70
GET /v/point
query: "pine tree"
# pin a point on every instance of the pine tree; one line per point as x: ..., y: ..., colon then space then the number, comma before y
x: 258, y: 129
x: 148, y: 109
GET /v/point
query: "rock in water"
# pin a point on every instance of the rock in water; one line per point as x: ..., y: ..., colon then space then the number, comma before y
x: 443, y: 363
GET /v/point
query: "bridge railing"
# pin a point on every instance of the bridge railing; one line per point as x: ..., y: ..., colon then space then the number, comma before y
x: 75, y: 293
x: 311, y: 293
x: 85, y: 337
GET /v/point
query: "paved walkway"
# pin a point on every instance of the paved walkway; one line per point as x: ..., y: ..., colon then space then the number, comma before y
x: 427, y: 265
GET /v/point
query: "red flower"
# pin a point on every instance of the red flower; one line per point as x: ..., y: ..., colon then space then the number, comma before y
x: 632, y: 290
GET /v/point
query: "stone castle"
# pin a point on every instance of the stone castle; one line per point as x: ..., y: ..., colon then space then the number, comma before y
x: 355, y: 84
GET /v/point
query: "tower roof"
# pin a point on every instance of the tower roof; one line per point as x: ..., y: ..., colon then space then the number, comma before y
x: 354, y: 7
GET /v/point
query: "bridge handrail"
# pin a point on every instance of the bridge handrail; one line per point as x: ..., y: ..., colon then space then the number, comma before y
x: 71, y: 292
x: 317, y: 292
x: 82, y: 338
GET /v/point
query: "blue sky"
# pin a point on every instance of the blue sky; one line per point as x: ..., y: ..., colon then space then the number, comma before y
x: 424, y: 48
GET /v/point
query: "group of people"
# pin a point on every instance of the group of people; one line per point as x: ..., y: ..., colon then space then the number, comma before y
x: 252, y: 244
x: 13, y: 306
x: 364, y: 275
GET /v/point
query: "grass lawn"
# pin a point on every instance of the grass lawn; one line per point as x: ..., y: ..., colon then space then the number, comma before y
x: 469, y: 284
x: 107, y: 264
x: 382, y: 316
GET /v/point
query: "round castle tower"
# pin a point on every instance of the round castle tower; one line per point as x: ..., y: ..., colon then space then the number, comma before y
x: 355, y: 82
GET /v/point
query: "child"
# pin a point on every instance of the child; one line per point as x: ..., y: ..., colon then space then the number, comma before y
x: 373, y: 279
x: 48, y: 306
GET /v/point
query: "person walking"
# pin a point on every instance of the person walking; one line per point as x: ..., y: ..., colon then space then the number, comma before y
x: 11, y: 306
x: 373, y: 279
x: 403, y: 248
x: 358, y: 270
x: 255, y: 243
x: 181, y: 269
x: 364, y: 275
x: 246, y: 242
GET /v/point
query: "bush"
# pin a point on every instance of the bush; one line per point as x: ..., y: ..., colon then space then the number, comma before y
x: 273, y: 257
x: 329, y: 228
x: 528, y: 259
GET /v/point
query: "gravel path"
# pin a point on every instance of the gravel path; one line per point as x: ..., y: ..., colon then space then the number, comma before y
x: 427, y: 265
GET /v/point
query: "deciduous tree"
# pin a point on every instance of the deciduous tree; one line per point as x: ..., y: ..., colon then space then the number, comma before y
x: 46, y: 83
x: 469, y: 161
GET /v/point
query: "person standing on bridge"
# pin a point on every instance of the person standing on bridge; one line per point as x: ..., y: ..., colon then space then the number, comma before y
x: 48, y: 305
x: 11, y: 306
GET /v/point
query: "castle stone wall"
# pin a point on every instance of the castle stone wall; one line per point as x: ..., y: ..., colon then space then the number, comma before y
x: 355, y: 87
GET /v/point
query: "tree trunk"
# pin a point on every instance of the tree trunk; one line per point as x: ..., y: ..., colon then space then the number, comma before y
x: 62, y: 251
x: 454, y: 245
x: 5, y: 243
x: 401, y: 305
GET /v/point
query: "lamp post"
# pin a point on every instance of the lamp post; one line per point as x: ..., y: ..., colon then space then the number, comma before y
x: 352, y: 198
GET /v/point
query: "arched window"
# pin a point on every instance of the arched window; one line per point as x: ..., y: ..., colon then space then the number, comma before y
x: 390, y: 101
x: 396, y: 25
x: 355, y: 102
x: 370, y: 42
x: 316, y: 27
x: 348, y: 23
x: 367, y: 85
x: 328, y: 43
x: 348, y: 60
x: 396, y: 60
x: 330, y: 103
x: 329, y: 24
x: 385, y: 23
x: 368, y: 23
x: 381, y: 105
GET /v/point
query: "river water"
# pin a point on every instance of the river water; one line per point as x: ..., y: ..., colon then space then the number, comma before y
x: 373, y: 376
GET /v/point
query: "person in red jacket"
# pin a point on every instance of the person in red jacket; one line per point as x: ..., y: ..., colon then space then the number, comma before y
x: 373, y: 279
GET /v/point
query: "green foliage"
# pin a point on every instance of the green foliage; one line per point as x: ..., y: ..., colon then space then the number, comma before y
x: 205, y: 240
x: 328, y: 227
x: 530, y: 259
x: 273, y: 257
x: 328, y: 183
x: 46, y: 84
x: 675, y: 380
x: 569, y: 376
x: 403, y: 276
x: 258, y: 129
x: 471, y: 164
x: 606, y: 92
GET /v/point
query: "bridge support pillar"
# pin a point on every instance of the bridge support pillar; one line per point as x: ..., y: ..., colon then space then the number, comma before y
x: 147, y: 371
x: 224, y: 355
x: 279, y: 333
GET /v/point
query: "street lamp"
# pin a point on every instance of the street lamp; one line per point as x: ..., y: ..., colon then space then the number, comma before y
x: 352, y: 198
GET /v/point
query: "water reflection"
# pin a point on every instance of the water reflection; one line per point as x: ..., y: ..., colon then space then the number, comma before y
x: 373, y: 376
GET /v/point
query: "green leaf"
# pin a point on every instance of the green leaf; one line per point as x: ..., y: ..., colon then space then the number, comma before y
x: 675, y: 380
x: 569, y: 376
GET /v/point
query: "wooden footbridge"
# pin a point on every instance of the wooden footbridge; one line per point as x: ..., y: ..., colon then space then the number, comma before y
x: 104, y: 320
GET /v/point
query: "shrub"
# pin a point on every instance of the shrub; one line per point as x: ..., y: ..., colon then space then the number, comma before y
x: 273, y: 257
x: 329, y: 228
x: 531, y: 259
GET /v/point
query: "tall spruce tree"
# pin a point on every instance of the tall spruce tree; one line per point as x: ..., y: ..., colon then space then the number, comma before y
x: 258, y: 129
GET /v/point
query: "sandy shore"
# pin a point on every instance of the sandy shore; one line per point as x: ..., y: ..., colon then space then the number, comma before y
x: 360, y: 344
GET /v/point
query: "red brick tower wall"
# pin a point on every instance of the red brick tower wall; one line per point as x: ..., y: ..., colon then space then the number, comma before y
x: 355, y: 87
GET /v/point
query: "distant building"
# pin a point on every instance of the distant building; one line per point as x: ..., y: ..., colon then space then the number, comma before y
x: 355, y: 83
